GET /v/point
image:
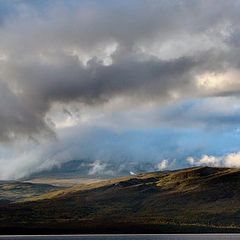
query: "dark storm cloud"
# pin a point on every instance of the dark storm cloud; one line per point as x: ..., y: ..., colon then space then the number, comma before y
x: 42, y: 53
x: 39, y: 85
x: 17, y: 118
x: 96, y: 82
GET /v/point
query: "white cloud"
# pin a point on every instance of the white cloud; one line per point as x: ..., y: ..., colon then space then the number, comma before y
x: 98, y: 167
x: 229, y: 160
x: 232, y: 160
x: 214, y: 83
x: 162, y: 165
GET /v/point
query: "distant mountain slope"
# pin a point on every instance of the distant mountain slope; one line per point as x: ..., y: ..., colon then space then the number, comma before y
x: 84, y: 168
x: 65, y: 170
x: 12, y: 191
x: 197, y: 199
x: 72, y: 169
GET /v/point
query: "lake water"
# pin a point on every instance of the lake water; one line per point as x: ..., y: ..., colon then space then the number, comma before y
x: 129, y: 237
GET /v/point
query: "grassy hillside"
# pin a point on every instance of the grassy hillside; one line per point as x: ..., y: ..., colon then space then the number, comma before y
x: 196, y: 199
x: 12, y: 191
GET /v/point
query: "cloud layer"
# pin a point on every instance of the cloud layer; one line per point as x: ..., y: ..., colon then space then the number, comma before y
x: 64, y: 54
x: 122, y: 67
x: 229, y: 160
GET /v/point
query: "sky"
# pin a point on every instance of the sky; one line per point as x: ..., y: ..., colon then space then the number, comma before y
x: 123, y: 86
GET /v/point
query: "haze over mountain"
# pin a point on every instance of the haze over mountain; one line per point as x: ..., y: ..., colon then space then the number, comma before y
x: 124, y: 86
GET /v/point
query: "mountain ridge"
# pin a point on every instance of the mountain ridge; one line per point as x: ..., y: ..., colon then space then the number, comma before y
x: 182, y: 200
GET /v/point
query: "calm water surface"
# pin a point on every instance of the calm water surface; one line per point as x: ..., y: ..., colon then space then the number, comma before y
x: 129, y: 237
